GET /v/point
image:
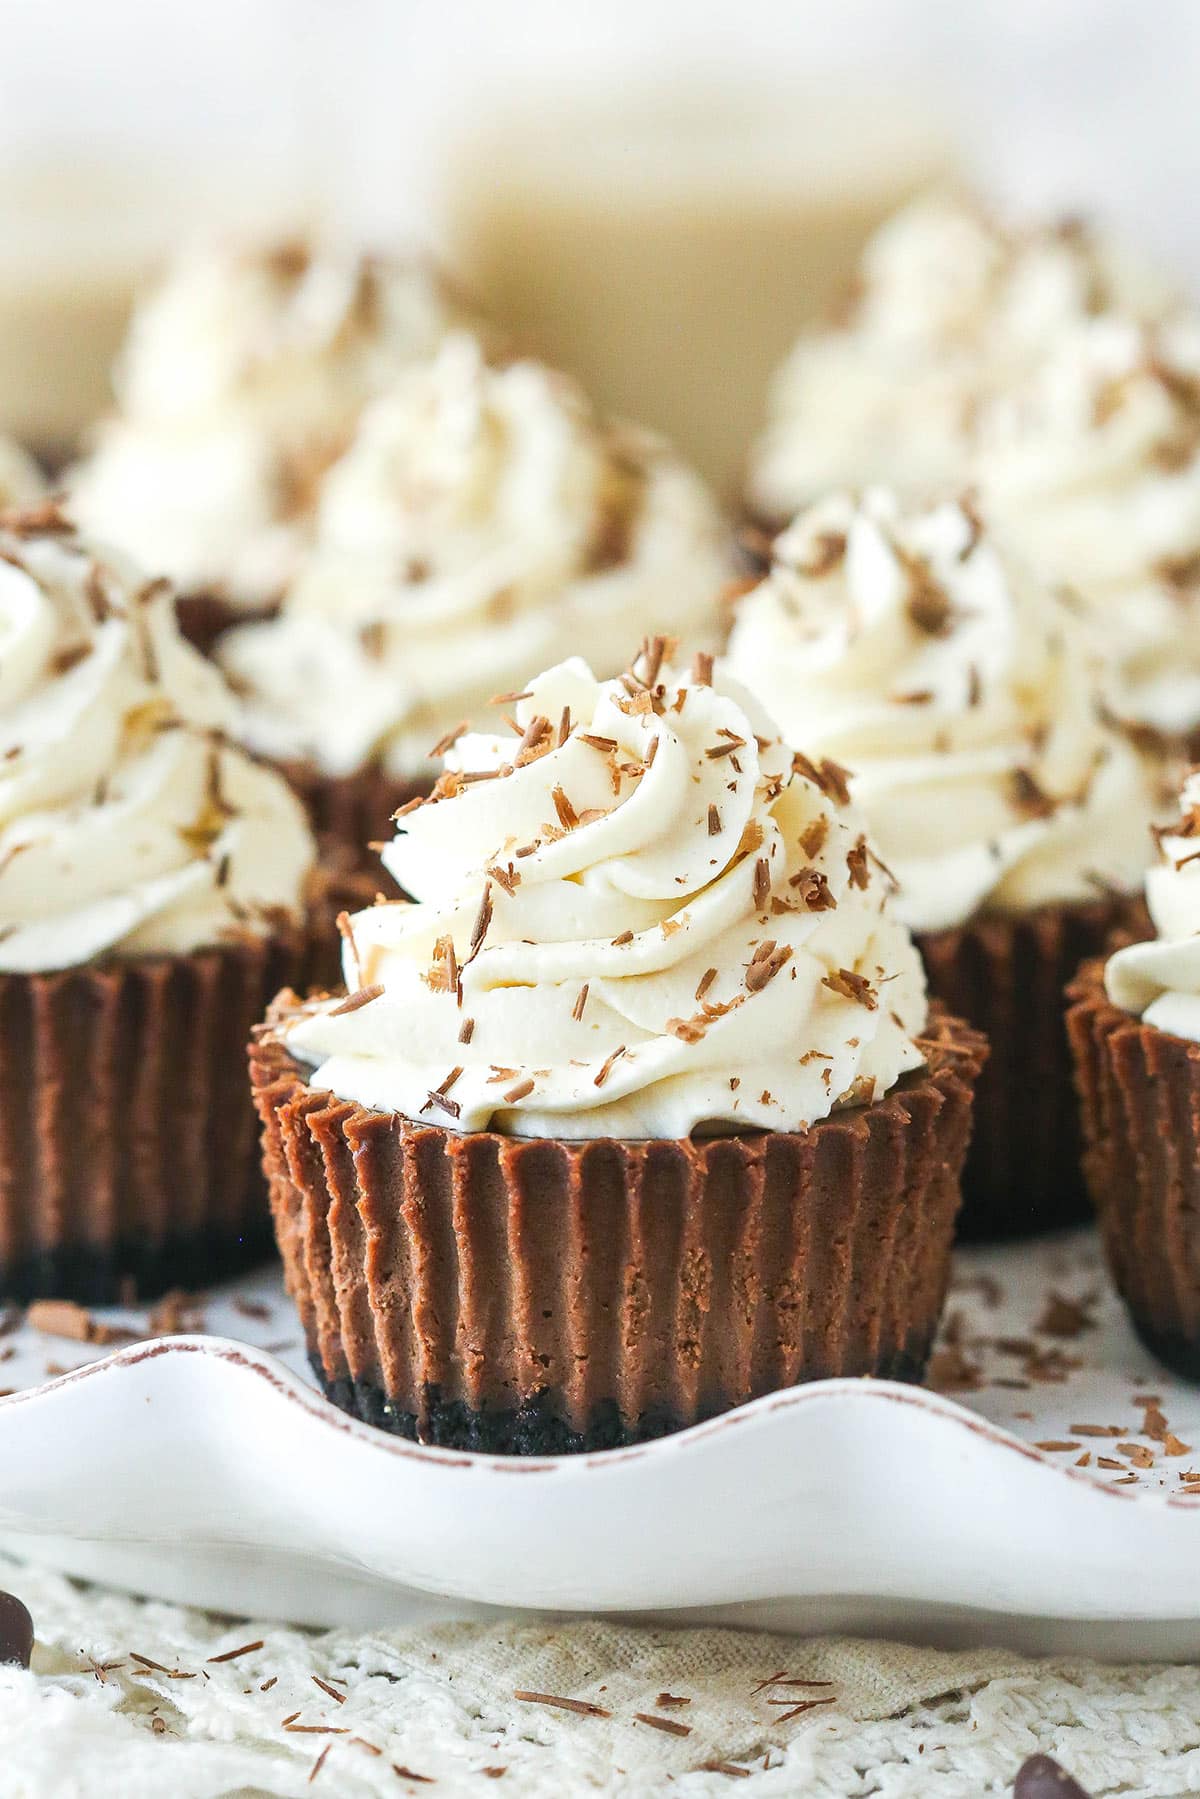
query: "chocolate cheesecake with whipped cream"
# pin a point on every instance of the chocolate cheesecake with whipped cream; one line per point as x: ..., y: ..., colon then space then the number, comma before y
x: 154, y: 884
x: 241, y: 381
x: 953, y: 307
x: 1091, y: 468
x: 1134, y: 1025
x: 637, y: 1109
x: 977, y: 711
x: 483, y: 522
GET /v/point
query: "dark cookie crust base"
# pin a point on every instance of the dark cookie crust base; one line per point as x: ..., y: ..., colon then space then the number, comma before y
x: 538, y: 1426
x: 133, y: 1270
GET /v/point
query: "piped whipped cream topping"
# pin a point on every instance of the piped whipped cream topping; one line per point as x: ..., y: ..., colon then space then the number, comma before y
x: 1159, y: 980
x: 949, y: 308
x: 1092, y: 467
x: 241, y: 381
x: 970, y: 701
x: 129, y: 824
x: 484, y: 522
x: 637, y: 914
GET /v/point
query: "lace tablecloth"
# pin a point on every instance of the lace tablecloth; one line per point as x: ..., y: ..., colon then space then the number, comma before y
x: 147, y: 1701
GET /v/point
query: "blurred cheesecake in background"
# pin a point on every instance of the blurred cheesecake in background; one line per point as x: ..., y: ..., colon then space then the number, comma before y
x: 667, y: 246
x: 950, y: 307
x: 79, y: 235
x: 239, y: 384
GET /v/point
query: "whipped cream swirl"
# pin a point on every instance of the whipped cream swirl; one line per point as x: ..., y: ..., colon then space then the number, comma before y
x: 969, y: 700
x: 1159, y: 980
x: 128, y: 822
x: 949, y: 308
x: 1092, y: 467
x: 483, y: 523
x: 638, y: 916
x: 241, y: 381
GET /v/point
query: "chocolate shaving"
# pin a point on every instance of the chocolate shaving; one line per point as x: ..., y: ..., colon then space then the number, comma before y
x: 852, y: 986
x: 768, y: 959
x: 857, y: 863
x: 483, y: 919
x: 522, y: 1090
x: 45, y: 518
x: 827, y: 551
x: 583, y: 1707
x: 580, y: 1003
x: 443, y: 975
x: 607, y: 1066
x: 438, y: 1096
x: 812, y: 838
x: 69, y: 657
x: 448, y: 741
x: 356, y: 1001
x: 832, y: 779
x: 536, y: 730
x: 1028, y: 796
x: 714, y: 821
x: 63, y: 1318
x: 232, y: 1655
x: 671, y: 1726
x: 813, y: 890
x: 1063, y: 1317
x: 568, y: 818
x: 507, y: 878
x: 651, y: 657
x: 929, y: 606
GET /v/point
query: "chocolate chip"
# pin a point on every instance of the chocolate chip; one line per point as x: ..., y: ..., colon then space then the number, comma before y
x: 1041, y: 1778
x: 16, y: 1631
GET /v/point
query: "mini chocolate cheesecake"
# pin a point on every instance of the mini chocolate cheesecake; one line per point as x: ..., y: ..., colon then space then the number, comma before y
x: 484, y: 515
x: 537, y: 1297
x: 1011, y: 810
x: 242, y: 378
x: 636, y: 1110
x: 156, y: 884
x: 1134, y: 1024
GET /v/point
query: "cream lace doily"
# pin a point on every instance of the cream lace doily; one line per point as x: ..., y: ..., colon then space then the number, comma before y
x: 145, y: 1701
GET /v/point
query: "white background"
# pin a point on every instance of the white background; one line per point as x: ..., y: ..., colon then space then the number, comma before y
x: 1089, y: 102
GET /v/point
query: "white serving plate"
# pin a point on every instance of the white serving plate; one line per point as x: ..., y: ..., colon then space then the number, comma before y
x: 207, y: 1468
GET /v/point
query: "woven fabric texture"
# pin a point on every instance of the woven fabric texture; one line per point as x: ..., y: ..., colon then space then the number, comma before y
x: 357, y: 1716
